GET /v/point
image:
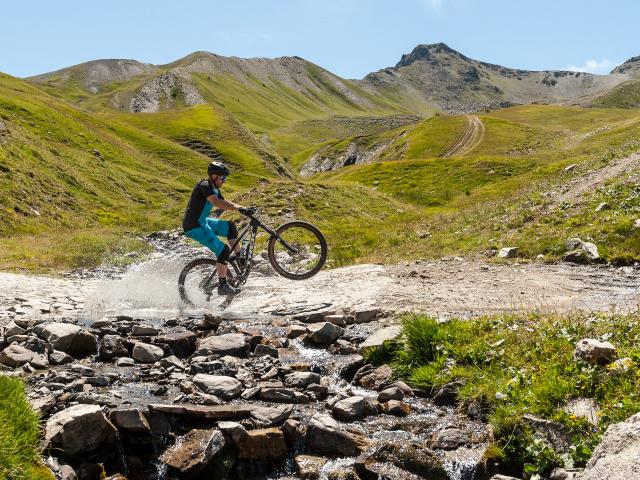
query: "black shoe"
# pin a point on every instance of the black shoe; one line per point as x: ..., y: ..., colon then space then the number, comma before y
x: 226, y: 289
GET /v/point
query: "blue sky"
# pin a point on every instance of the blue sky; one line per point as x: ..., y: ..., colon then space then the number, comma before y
x: 349, y: 37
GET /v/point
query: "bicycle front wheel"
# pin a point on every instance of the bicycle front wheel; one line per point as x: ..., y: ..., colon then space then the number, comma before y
x: 197, y: 281
x: 298, y: 252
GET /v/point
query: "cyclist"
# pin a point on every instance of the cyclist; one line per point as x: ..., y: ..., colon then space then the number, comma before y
x: 197, y: 224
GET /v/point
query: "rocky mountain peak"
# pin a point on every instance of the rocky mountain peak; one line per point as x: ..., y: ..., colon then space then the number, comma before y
x: 427, y: 52
x: 631, y: 66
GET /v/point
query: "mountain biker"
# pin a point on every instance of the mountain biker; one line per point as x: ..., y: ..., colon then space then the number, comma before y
x: 198, y: 226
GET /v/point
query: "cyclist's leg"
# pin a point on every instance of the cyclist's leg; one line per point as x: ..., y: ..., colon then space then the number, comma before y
x: 225, y: 229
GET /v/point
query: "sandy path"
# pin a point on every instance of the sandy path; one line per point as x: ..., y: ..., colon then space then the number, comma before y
x: 470, y: 138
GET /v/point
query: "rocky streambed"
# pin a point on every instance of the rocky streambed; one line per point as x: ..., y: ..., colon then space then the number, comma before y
x: 213, y: 396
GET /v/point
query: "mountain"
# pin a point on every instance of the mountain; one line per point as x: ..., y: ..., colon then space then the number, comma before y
x: 438, y: 75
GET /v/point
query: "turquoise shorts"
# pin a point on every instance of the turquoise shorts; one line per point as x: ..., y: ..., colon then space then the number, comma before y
x: 207, y: 235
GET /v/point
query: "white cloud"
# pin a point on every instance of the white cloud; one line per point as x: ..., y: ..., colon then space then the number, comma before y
x: 594, y: 66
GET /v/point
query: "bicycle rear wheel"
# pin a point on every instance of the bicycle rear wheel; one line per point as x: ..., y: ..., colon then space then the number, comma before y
x: 300, y: 252
x: 197, y: 281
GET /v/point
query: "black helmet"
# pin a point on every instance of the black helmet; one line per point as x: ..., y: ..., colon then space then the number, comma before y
x: 218, y: 168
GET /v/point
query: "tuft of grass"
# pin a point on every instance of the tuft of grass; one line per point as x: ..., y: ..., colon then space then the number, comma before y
x: 19, y: 434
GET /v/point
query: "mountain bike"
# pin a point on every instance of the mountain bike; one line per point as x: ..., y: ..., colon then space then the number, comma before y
x: 296, y: 250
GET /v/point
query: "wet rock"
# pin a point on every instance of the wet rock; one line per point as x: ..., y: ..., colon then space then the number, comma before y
x: 508, y: 252
x: 270, y: 416
x: 450, y: 439
x: 146, y: 353
x: 397, y: 408
x: 292, y: 430
x: 377, y: 339
x: 339, y: 320
x: 43, y: 405
x: 390, y: 393
x: 309, y: 466
x: 79, y: 429
x: 59, y: 358
x: 377, y: 378
x: 503, y: 477
x: 366, y: 316
x: 12, y: 329
x: 325, y: 435
x: 110, y: 347
x: 447, y: 395
x: 409, y: 457
x: 181, y: 341
x: 355, y: 408
x: 233, y: 344
x: 224, y: 387
x: 301, y: 379
x: 324, y: 333
x: 211, y: 320
x: 144, y: 331
x: 68, y: 338
x: 15, y: 356
x: 594, y: 351
x: 193, y: 452
x: 616, y: 457
x: 282, y: 395
x: 342, y: 347
x: 60, y: 470
x: 125, y: 362
x: 265, y: 350
x: 295, y: 331
x: 349, y: 369
x: 172, y: 362
x: 265, y: 444
x: 130, y: 419
x: 554, y: 433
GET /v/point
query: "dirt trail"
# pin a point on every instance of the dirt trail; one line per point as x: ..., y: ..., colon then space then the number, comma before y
x: 470, y: 138
x: 443, y: 288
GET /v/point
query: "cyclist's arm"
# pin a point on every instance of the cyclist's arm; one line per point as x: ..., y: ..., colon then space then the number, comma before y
x: 223, y: 204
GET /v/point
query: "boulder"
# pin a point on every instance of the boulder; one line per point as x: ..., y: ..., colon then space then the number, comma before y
x: 295, y: 331
x: 447, y: 395
x: 616, y: 457
x: 15, y: 356
x: 233, y: 344
x: 575, y: 246
x: 366, y: 315
x: 354, y: 408
x: 192, y: 452
x: 68, y: 338
x: 309, y: 466
x: 324, y: 333
x: 450, y: 439
x: 181, y: 341
x: 325, y: 435
x: 110, y: 347
x: 144, y: 331
x: 12, y: 329
x: 79, y: 430
x: 397, y: 408
x: 301, y: 379
x: 221, y: 386
x: 377, y: 338
x: 262, y: 444
x: 594, y: 351
x: 377, y: 378
x: 282, y: 395
x: 146, y: 353
x: 508, y: 252
x: 265, y: 351
x: 130, y: 419
x: 410, y: 457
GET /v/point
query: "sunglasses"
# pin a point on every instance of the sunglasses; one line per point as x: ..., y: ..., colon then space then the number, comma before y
x: 223, y: 177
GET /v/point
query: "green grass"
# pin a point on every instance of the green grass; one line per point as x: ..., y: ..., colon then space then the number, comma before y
x: 19, y: 434
x: 626, y: 95
x: 523, y: 364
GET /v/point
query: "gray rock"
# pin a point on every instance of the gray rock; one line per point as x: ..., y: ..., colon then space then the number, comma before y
x: 450, y: 439
x: 327, y: 436
x: 264, y: 444
x: 594, y: 351
x: 397, y: 408
x: 366, y: 316
x: 376, y: 379
x: 172, y: 362
x: 354, y: 408
x: 324, y: 333
x: 80, y: 429
x: 281, y: 395
x: 233, y: 344
x: 221, y: 386
x: 145, y: 331
x: 192, y: 452
x: 339, y: 320
x: 309, y: 467
x: 409, y: 457
x: 68, y: 338
x: 130, y: 419
x: 616, y: 457
x: 377, y: 339
x: 301, y: 379
x: 636, y: 223
x: 265, y: 351
x: 590, y: 249
x: 586, y: 408
x: 110, y: 347
x: 390, y: 393
x: 125, y: 362
x: 602, y: 206
x: 146, y: 353
x: 181, y: 341
x: 295, y: 331
x: 508, y: 252
x: 12, y: 329
x: 59, y: 358
x: 15, y: 356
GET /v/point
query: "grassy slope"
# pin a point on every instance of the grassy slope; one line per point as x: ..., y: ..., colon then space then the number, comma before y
x: 626, y: 95
x: 19, y: 435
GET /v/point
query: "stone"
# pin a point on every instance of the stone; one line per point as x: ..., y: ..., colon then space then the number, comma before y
x: 80, y: 429
x: 309, y: 466
x: 390, y: 393
x: 447, y: 395
x: 125, y: 362
x: 555, y: 433
x: 602, y: 206
x: 192, y: 452
x: 144, y: 331
x: 324, y: 333
x: 636, y: 223
x: 377, y: 378
x: 212, y: 321
x: 622, y: 365
x: 354, y: 408
x: 281, y: 395
x: 397, y: 408
x: 12, y: 329
x: 586, y: 408
x: 59, y: 358
x: 450, y: 439
x: 301, y: 379
x: 221, y: 386
x: 590, y: 250
x: 265, y: 351
x: 563, y: 474
x: 571, y: 167
x: 594, y: 351
x: 376, y: 340
x: 295, y: 331
x: 130, y: 419
x: 68, y: 338
x: 325, y: 435
x: 262, y: 444
x: 616, y: 457
x: 15, y: 356
x: 43, y: 405
x: 339, y: 320
x: 503, y: 477
x: 508, y: 252
x: 172, y: 362
x: 342, y: 347
x: 110, y: 347
x: 146, y: 353
x: 366, y: 315
x: 181, y: 341
x: 410, y: 457
x: 233, y: 344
